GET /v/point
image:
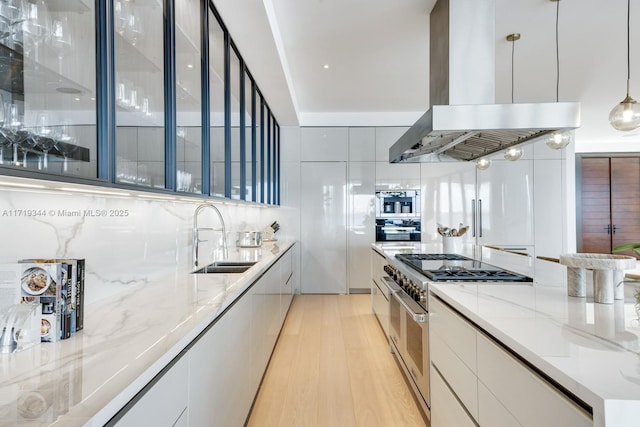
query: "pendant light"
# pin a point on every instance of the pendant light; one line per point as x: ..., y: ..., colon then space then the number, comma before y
x: 512, y: 154
x: 557, y: 140
x: 483, y: 163
x: 626, y: 115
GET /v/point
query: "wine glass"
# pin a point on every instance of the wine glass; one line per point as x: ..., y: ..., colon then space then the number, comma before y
x: 132, y: 29
x: 43, y: 136
x: 4, y: 141
x: 65, y: 144
x: 14, y: 129
x: 11, y: 13
x: 36, y: 27
x: 61, y: 38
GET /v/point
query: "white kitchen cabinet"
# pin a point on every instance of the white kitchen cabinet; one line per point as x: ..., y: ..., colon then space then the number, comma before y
x: 285, y: 265
x: 269, y: 285
x: 165, y: 402
x: 393, y: 176
x: 531, y: 400
x: 324, y: 144
x: 504, y: 205
x: 446, y: 410
x: 493, y: 412
x: 259, y: 327
x: 487, y: 382
x: 362, y: 144
x: 362, y: 223
x: 549, y: 208
x: 323, y: 237
x: 453, y: 353
x: 379, y: 292
x: 220, y: 385
x: 215, y: 381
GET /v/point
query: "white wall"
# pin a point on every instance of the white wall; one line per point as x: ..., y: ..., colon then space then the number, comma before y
x: 153, y: 238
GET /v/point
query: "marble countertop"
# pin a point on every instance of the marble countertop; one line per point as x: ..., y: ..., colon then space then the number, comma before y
x: 126, y: 342
x: 593, y: 350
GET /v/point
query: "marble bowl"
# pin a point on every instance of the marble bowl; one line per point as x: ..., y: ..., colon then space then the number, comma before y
x: 608, y: 275
x: 598, y: 261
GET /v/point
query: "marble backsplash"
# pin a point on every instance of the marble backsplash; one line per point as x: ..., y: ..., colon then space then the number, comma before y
x: 126, y: 240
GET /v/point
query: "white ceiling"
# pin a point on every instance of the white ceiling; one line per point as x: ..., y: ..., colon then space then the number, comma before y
x: 377, y: 52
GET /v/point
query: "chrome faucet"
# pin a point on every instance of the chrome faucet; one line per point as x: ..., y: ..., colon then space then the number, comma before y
x: 196, y: 230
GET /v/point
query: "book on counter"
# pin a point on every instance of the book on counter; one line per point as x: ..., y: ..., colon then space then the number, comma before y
x: 66, y: 307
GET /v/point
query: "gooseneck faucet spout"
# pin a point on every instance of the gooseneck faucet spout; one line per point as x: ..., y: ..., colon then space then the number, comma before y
x: 196, y: 230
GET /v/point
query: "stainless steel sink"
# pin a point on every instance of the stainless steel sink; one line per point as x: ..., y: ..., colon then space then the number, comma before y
x: 226, y: 267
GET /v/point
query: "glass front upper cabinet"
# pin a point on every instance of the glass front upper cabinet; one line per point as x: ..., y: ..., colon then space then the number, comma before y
x: 48, y: 88
x: 249, y: 145
x: 188, y: 97
x: 235, y: 69
x: 139, y: 92
x: 216, y: 105
x: 72, y: 103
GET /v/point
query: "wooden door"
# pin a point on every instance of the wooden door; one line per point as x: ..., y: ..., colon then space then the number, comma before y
x: 625, y: 201
x: 596, y: 205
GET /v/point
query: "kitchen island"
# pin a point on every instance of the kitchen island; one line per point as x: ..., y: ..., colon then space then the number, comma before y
x: 579, y: 354
x: 131, y: 342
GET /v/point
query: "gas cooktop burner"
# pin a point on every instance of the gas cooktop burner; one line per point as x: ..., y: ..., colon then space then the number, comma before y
x: 457, y: 268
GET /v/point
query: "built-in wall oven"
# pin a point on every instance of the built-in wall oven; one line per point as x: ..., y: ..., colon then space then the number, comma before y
x: 398, y: 216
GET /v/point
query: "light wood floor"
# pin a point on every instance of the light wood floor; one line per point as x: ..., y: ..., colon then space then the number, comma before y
x: 332, y: 367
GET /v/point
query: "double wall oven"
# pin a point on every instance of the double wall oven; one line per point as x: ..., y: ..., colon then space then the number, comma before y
x: 407, y: 277
x: 398, y: 216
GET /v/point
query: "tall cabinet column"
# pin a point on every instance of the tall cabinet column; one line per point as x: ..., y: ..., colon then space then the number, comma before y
x: 323, y: 210
x: 361, y: 199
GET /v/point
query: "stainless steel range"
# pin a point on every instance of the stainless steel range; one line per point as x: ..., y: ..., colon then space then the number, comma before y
x: 408, y: 277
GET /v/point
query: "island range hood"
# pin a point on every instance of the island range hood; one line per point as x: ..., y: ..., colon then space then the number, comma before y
x: 464, y: 123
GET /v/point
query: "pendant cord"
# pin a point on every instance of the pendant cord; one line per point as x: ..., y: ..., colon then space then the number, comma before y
x: 558, y: 52
x: 628, y: 44
x: 513, y: 49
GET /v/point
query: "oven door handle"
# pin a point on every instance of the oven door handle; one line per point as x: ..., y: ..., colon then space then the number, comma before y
x: 391, y: 285
x: 417, y: 317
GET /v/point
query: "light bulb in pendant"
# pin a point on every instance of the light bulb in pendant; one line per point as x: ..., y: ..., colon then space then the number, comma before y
x: 483, y: 164
x: 626, y: 115
x: 512, y: 154
x: 558, y: 140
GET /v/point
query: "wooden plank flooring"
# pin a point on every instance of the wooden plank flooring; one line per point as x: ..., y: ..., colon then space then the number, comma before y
x: 332, y: 367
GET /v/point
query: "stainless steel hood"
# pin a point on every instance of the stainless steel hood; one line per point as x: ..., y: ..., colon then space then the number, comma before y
x: 463, y: 122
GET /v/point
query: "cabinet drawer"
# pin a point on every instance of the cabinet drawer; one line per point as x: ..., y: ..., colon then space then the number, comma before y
x: 458, y: 334
x: 460, y: 378
x: 446, y: 410
x: 165, y: 402
x: 380, y: 307
x: 492, y: 413
x: 532, y: 400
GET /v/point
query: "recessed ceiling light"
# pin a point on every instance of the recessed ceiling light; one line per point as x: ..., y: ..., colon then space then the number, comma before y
x: 189, y: 65
x: 325, y: 66
x: 69, y: 90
